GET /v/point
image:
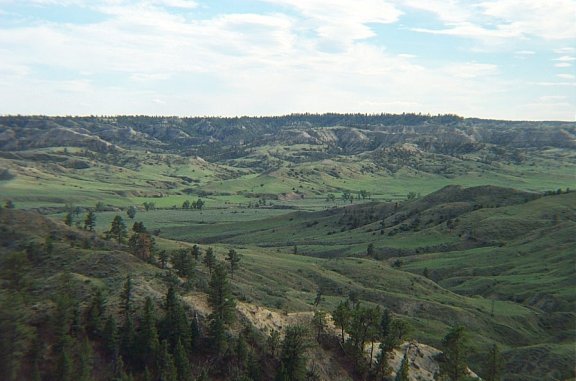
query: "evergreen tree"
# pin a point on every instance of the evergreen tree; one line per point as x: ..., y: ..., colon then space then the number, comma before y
x: 493, y: 364
x: 175, y: 326
x: 14, y: 335
x: 220, y: 296
x: 195, y: 333
x: 183, y: 263
x: 131, y: 212
x: 148, y: 341
x: 118, y: 230
x: 142, y: 246
x: 293, y: 353
x: 90, y: 221
x: 210, y: 259
x: 181, y: 362
x: 454, y: 353
x: 85, y: 361
x: 402, y: 374
x: 110, y: 336
x: 64, y: 365
x: 167, y: 369
x: 196, y: 252
x: 234, y: 258
x: 163, y: 258
x: 342, y: 316
x: 95, y: 314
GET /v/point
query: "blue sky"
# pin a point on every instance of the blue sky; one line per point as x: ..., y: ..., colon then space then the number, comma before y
x: 501, y: 59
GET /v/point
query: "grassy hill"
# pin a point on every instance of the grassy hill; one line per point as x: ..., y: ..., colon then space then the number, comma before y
x: 444, y: 221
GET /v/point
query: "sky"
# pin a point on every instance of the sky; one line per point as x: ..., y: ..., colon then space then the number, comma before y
x: 497, y: 59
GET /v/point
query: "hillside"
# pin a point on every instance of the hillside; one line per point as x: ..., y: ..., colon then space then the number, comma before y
x: 441, y: 221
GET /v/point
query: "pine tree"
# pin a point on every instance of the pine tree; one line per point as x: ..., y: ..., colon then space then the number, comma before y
x: 454, y: 352
x: 14, y: 335
x: 118, y: 230
x: 493, y: 364
x: 85, y: 361
x: 148, y: 341
x: 195, y: 333
x: 110, y: 336
x: 342, y: 316
x: 95, y: 314
x: 90, y: 221
x: 220, y: 296
x: 181, y: 362
x: 175, y: 324
x: 210, y: 259
x: 293, y: 352
x: 167, y: 369
x: 234, y: 258
x: 402, y: 374
x: 64, y: 365
x: 196, y: 252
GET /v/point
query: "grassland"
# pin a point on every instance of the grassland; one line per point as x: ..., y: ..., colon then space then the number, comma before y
x: 498, y: 260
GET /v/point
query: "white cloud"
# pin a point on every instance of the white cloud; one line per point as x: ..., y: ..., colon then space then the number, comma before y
x: 449, y: 11
x: 566, y: 76
x: 148, y: 57
x: 500, y: 20
x: 565, y: 59
x: 563, y: 64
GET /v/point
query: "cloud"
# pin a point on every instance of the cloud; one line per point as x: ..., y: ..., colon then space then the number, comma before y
x: 342, y: 21
x: 566, y: 76
x: 565, y: 59
x: 160, y: 57
x: 497, y: 21
x: 563, y: 64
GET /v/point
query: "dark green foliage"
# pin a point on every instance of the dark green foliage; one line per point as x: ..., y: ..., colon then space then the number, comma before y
x: 167, y: 368
x: 64, y: 364
x: 147, y: 340
x: 118, y: 230
x: 149, y: 206
x: 370, y: 250
x: 196, y: 252
x: 142, y: 245
x: 15, y: 335
x: 183, y: 263
x: 138, y: 227
x: 222, y: 303
x: 195, y: 333
x: 273, y: 343
x: 220, y: 296
x: 181, y: 362
x: 186, y: 204
x: 210, y: 259
x: 342, y: 316
x: 85, y: 361
x: 233, y: 258
x: 493, y: 364
x: 402, y: 374
x: 293, y: 356
x: 15, y: 268
x: 174, y: 326
x: 131, y: 212
x: 9, y: 204
x: 69, y: 219
x: 163, y: 258
x: 90, y: 221
x: 110, y: 338
x: 454, y: 355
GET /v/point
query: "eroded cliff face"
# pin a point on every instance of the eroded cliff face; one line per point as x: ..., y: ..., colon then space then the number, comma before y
x: 99, y: 133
